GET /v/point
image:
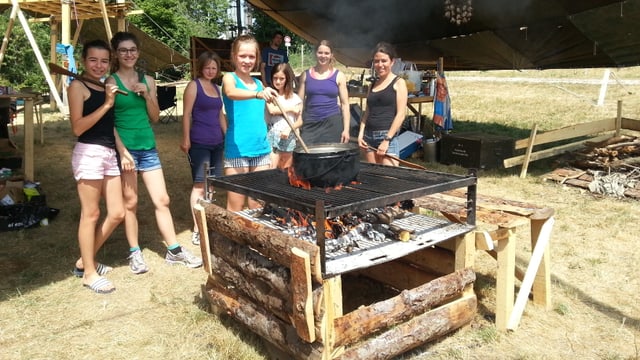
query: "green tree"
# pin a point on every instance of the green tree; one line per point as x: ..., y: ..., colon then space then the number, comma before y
x: 20, y: 67
x: 263, y: 28
x: 175, y: 21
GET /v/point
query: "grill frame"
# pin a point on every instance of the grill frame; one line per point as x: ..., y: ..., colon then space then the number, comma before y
x: 378, y: 186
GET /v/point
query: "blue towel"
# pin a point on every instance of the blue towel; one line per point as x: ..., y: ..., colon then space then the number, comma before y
x: 442, y: 106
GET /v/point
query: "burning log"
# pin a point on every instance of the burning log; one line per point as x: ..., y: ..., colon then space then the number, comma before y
x: 408, y: 304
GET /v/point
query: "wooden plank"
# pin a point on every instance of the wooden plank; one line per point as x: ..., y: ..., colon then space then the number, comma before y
x: 399, y: 275
x: 205, y: 243
x: 530, y: 275
x: 505, y: 280
x: 569, y: 132
x: 301, y: 292
x: 543, y: 154
x: 332, y: 302
x: 630, y: 124
x: 527, y: 155
x: 541, y: 289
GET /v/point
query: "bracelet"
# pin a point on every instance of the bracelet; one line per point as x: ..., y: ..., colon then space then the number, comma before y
x: 257, y: 92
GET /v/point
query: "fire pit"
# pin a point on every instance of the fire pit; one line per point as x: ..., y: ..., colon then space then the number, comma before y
x: 292, y: 289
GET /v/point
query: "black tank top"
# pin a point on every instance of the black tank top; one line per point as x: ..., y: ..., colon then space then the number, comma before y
x: 101, y: 133
x: 382, y: 108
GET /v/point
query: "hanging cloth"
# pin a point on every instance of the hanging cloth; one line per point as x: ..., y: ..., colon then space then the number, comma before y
x: 442, y: 106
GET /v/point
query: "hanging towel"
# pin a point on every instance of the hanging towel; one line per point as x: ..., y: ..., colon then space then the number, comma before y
x: 442, y: 106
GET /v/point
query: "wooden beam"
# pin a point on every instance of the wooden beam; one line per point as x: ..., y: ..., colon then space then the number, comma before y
x: 36, y: 51
x: 105, y: 18
x: 301, y: 292
x: 530, y: 274
x: 568, y: 132
x: 7, y: 33
x: 527, y: 155
x: 543, y: 154
x: 205, y: 244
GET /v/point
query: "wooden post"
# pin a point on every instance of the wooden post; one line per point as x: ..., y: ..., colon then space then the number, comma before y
x: 201, y: 222
x: 542, y: 285
x: 36, y: 51
x: 7, y: 33
x: 332, y: 302
x: 505, y: 279
x: 603, y: 86
x: 105, y: 18
x: 301, y: 293
x: 28, y: 139
x: 536, y: 258
x: 619, y: 118
x: 527, y: 156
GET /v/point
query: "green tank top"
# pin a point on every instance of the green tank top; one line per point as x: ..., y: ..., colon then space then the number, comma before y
x: 132, y: 120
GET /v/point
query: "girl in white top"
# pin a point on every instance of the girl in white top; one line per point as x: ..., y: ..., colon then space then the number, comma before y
x: 280, y: 137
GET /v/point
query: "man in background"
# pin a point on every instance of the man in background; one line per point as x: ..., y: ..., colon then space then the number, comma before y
x: 271, y: 56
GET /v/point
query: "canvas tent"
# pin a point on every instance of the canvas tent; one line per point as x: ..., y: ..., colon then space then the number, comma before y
x: 500, y: 34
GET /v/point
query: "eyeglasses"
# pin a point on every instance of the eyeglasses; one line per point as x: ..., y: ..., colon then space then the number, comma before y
x: 124, y: 51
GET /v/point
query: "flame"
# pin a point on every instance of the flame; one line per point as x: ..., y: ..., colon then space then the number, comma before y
x: 296, y: 181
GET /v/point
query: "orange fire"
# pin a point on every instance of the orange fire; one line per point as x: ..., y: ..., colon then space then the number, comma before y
x: 295, y: 180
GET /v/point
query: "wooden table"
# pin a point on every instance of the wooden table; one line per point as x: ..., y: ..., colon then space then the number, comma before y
x: 497, y: 222
x: 29, y: 100
x: 411, y: 102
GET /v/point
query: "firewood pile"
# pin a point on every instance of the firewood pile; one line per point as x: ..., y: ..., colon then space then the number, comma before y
x: 610, y: 167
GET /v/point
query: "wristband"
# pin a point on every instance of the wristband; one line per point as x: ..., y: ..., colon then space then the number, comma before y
x: 257, y: 92
x: 388, y: 138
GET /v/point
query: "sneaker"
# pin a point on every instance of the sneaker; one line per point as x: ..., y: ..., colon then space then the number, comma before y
x: 136, y: 263
x: 184, y: 257
x: 195, y: 238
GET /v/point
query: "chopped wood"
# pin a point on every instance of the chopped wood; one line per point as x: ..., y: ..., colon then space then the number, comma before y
x: 264, y: 324
x: 423, y: 328
x: 609, y: 167
x: 410, y: 303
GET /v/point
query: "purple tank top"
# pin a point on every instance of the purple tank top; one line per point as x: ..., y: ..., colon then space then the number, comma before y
x: 321, y: 97
x: 205, y: 118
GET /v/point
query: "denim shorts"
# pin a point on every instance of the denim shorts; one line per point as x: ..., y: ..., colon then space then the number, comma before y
x: 201, y: 154
x: 146, y: 160
x: 93, y: 162
x: 375, y: 138
x: 248, y: 162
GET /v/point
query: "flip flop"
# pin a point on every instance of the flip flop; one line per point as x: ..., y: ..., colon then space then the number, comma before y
x: 101, y: 286
x: 101, y: 269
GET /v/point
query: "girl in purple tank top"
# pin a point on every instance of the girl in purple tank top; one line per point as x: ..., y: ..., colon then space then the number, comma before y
x: 323, y: 89
x: 202, y: 137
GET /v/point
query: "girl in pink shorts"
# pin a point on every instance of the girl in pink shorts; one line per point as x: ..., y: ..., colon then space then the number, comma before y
x: 95, y: 165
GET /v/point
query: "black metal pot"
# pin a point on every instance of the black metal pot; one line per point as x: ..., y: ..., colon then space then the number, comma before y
x: 327, y: 165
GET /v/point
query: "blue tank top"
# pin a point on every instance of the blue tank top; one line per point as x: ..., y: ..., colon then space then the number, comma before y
x: 205, y: 118
x: 321, y: 97
x: 247, y: 130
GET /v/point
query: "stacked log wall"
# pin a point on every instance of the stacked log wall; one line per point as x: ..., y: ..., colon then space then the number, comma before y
x: 251, y: 281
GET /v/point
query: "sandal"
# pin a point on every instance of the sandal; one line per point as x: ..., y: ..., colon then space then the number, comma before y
x: 101, y: 269
x: 101, y: 286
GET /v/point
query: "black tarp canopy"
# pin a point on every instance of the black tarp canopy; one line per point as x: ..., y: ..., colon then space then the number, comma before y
x: 501, y: 34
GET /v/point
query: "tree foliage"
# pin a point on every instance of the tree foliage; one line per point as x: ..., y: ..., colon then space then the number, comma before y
x: 174, y: 22
x: 20, y: 67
